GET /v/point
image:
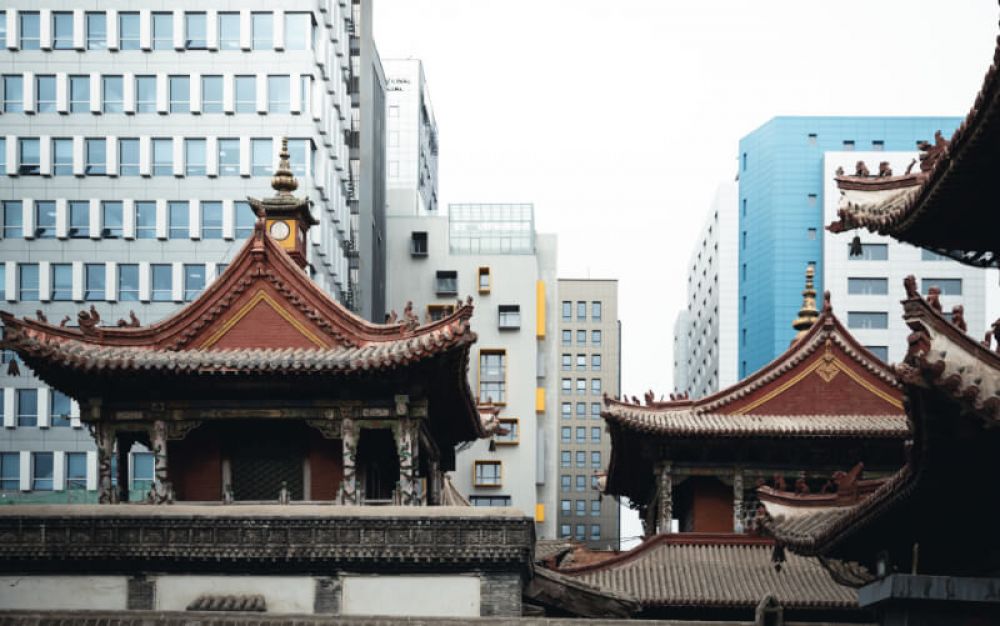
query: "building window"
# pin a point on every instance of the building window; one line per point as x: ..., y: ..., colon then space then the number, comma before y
x: 194, y: 280
x: 194, y: 157
x: 59, y: 409
x: 245, y: 219
x: 41, y: 471
x: 145, y: 94
x: 489, y: 500
x: 595, y: 410
x: 567, y: 337
x: 483, y: 282
x: 13, y: 219
x: 262, y: 25
x: 446, y: 283
x: 94, y: 277
x: 297, y: 31
x: 595, y: 532
x: 145, y: 220
x: 488, y: 474
x: 180, y: 94
x: 229, y: 157
x: 128, y: 282
x: 163, y: 31
x: 62, y: 282
x: 595, y: 337
x: 581, y: 458
x: 595, y: 459
x: 211, y: 220
x: 97, y: 31
x: 62, y: 30
x: 10, y: 471
x: 97, y: 157
x: 246, y: 94
x: 45, y: 93
x: 565, y: 458
x: 811, y: 234
x: 567, y: 362
x: 111, y: 218
x: 30, y: 30
x: 492, y: 376
x: 440, y: 311
x: 279, y: 94
x: 112, y: 91
x: 509, y: 316
x: 581, y: 311
x: 595, y: 507
x: 948, y: 286
x: 76, y: 471
x: 195, y: 31
x: 79, y: 219
x: 868, y: 286
x: 581, y: 409
x: 45, y: 219
x: 30, y: 157
x: 595, y: 362
x: 564, y: 531
x: 581, y: 434
x: 128, y: 157
x: 211, y: 94
x: 128, y: 31
x: 581, y: 508
x: 27, y: 407
x: 566, y: 409
x: 848, y: 145
x: 870, y: 252
x: 864, y: 319
x: 27, y: 282
x: 581, y: 337
x: 564, y: 507
x: 298, y: 154
x: 581, y: 362
x: 163, y: 157
x: 581, y: 386
x: 513, y: 436
x: 162, y: 282
x: 13, y: 94
x: 929, y: 255
x: 878, y: 145
x: 595, y: 434
x: 581, y: 532
x: 418, y: 243
x: 565, y: 434
x: 581, y: 482
x: 882, y: 352
x: 178, y: 220
x: 62, y: 157
x: 567, y: 310
x: 595, y: 311
x: 260, y: 157
x: 229, y: 31
x: 79, y: 94
x: 142, y: 471
x: 564, y: 482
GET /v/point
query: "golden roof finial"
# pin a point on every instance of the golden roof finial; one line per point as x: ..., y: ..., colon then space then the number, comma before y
x: 283, y: 180
x: 808, y: 313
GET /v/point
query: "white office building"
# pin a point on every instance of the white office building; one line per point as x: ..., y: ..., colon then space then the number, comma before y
x: 705, y: 334
x: 412, y: 140
x: 866, y: 288
x: 133, y: 132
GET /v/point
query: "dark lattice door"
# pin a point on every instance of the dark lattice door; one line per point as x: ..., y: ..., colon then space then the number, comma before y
x: 258, y: 469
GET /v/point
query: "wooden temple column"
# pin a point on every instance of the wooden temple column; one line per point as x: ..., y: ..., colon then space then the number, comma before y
x: 123, y: 444
x: 161, y: 492
x: 738, y: 501
x: 665, y: 498
x: 349, y: 438
x: 104, y: 437
x: 408, y: 447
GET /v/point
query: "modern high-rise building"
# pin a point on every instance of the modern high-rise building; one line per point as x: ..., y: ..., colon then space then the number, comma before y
x: 133, y: 134
x: 705, y: 332
x: 492, y: 253
x: 866, y: 283
x: 412, y: 148
x: 589, y: 367
x: 780, y: 204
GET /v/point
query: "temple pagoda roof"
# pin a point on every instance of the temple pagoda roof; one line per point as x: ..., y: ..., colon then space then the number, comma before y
x: 938, y: 206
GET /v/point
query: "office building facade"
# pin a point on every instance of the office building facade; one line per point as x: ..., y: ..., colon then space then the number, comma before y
x: 705, y: 332
x: 412, y: 148
x: 133, y: 135
x: 589, y: 367
x: 780, y: 204
x: 492, y: 253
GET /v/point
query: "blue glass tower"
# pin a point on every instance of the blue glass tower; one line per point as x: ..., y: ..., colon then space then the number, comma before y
x: 781, y: 210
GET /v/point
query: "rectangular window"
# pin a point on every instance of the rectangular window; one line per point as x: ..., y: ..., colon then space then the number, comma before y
x: 581, y: 311
x: 510, y: 316
x: 30, y: 30
x: 483, y: 281
x: 113, y: 98
x: 595, y: 362
x: 180, y: 94
x: 30, y: 155
x: 279, y: 94
x: 595, y: 386
x: 261, y: 154
x: 418, y: 243
x: 45, y: 219
x: 128, y: 31
x: 882, y: 352
x: 595, y: 410
x: 76, y: 471
x: 581, y: 508
x: 948, y: 286
x: 246, y: 94
x: 492, y: 376
x: 564, y: 531
x: 211, y: 94
x: 567, y: 362
x: 848, y: 144
x: 567, y: 310
x: 195, y: 31
x: 564, y: 507
x: 581, y: 386
x: 128, y: 157
x: 45, y: 93
x: 581, y: 362
x: 868, y: 286
x: 878, y: 145
x: 567, y: 385
x: 446, y: 283
x: 581, y: 458
x: 488, y: 474
x: 10, y: 471
x: 870, y: 252
x: 128, y: 282
x: 13, y: 93
x: 595, y: 337
x: 27, y: 282
x: 298, y: 31
x: 62, y: 282
x: 595, y: 532
x: 163, y: 157
x: 567, y: 337
x: 565, y: 434
x: 565, y: 482
x: 581, y: 483
x: 298, y: 154
x: 581, y: 409
x: 489, y: 500
x: 62, y: 30
x: 565, y: 458
x: 62, y: 157
x: 96, y: 152
x: 145, y: 220
x: 595, y: 509
x: 864, y: 319
x: 211, y: 220
x: 79, y: 219
x: 513, y: 435
x: 229, y: 31
x: 142, y: 471
x: 145, y: 94
x: 13, y: 219
x: 42, y: 464
x: 595, y: 311
x: 194, y: 157
x: 163, y: 31
x: 94, y: 276
x: 263, y: 31
x: 27, y: 407
x: 229, y: 157
x: 79, y: 94
x: 929, y: 255
x: 566, y: 410
x: 595, y: 459
x: 97, y: 31
x: 581, y: 434
x: 581, y: 337
x: 162, y: 282
x: 245, y: 219
x: 595, y: 434
x: 111, y: 218
x: 178, y: 220
x: 194, y: 280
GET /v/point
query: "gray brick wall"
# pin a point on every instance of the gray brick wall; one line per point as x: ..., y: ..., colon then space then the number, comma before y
x: 500, y: 594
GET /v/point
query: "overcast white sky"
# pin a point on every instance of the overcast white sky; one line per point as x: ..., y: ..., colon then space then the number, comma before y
x: 618, y: 118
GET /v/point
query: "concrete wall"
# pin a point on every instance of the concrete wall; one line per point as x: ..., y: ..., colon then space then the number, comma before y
x: 418, y: 596
x: 283, y: 594
x: 80, y: 593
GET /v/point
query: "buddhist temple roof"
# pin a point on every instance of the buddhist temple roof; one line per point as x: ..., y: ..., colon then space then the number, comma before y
x: 712, y: 570
x: 938, y: 205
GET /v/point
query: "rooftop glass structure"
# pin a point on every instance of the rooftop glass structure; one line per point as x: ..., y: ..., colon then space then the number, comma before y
x: 491, y: 228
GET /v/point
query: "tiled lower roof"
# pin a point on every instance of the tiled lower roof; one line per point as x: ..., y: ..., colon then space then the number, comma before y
x: 659, y: 422
x: 688, y: 570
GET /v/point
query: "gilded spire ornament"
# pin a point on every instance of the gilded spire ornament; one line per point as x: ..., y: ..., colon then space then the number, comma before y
x: 808, y: 313
x: 283, y: 180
